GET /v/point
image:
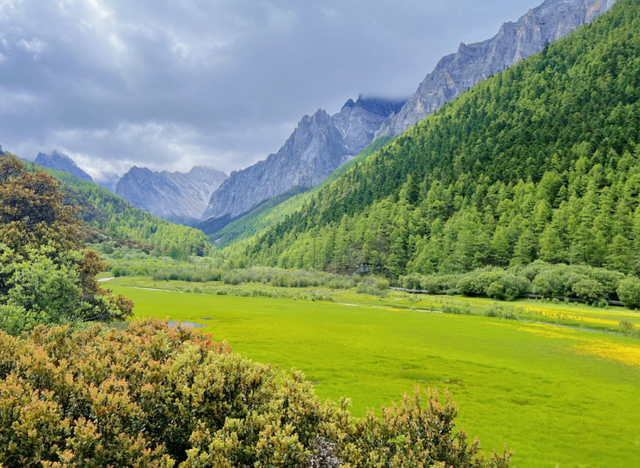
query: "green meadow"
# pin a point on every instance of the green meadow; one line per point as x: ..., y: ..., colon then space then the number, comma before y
x: 560, y: 397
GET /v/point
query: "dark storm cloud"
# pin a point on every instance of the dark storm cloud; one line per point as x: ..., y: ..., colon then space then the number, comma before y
x: 173, y: 83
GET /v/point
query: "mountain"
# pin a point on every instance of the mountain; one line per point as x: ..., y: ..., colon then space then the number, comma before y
x: 472, y: 63
x: 318, y: 146
x: 62, y: 162
x: 174, y: 196
x: 539, y: 162
x: 107, y: 180
x: 109, y: 217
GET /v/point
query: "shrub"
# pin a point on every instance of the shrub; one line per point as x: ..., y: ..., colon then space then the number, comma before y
x: 588, y: 290
x: 158, y: 397
x: 629, y: 292
x: 411, y: 281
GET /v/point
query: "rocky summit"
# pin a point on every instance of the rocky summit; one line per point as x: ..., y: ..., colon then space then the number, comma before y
x: 319, y: 145
x: 174, y: 196
x: 456, y: 73
x: 62, y: 162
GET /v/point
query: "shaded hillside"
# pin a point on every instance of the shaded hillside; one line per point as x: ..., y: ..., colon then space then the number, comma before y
x: 540, y: 161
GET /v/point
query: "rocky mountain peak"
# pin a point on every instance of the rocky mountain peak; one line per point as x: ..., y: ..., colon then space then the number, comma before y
x: 515, y: 41
x: 318, y: 146
x: 62, y: 162
x: 175, y: 196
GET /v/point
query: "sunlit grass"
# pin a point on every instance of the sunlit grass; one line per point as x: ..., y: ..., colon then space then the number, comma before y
x: 558, y: 396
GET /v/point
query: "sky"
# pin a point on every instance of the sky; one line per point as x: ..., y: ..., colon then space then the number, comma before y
x: 169, y: 84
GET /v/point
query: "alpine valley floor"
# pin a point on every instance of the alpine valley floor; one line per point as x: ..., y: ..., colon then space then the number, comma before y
x: 560, y: 397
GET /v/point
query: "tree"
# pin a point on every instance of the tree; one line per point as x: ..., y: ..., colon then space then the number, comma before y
x: 629, y: 292
x: 43, y: 269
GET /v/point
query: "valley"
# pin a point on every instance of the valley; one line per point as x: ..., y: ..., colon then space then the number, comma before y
x: 543, y: 389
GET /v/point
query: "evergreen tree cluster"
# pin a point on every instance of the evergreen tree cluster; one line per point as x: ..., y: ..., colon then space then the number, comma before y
x: 541, y: 162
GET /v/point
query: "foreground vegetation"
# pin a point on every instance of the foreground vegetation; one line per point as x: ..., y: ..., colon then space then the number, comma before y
x: 150, y: 396
x: 545, y: 390
x: 46, y: 275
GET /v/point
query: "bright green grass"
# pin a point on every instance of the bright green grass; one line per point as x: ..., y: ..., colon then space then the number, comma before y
x: 542, y: 389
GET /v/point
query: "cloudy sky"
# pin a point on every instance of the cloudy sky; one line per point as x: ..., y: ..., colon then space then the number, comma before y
x: 169, y: 84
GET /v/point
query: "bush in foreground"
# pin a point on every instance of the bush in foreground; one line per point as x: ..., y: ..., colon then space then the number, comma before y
x: 151, y: 396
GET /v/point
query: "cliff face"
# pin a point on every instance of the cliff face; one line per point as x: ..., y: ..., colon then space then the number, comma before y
x: 318, y: 146
x: 62, y: 162
x: 174, y: 196
x: 456, y: 73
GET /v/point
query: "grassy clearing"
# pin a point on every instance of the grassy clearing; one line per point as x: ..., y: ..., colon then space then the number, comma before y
x: 560, y: 397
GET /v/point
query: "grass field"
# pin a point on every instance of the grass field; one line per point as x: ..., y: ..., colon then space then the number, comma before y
x: 558, y: 396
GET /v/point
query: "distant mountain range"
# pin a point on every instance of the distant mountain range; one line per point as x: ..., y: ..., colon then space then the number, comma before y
x: 62, y: 162
x: 453, y: 75
x: 318, y: 146
x: 174, y: 196
x: 322, y: 143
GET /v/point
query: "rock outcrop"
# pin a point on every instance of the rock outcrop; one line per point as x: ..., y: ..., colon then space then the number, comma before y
x: 456, y: 73
x: 174, y: 196
x: 62, y: 162
x: 318, y: 146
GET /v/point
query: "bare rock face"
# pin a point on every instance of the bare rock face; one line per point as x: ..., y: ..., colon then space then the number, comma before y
x: 62, y: 162
x: 318, y: 146
x: 174, y: 196
x: 456, y: 73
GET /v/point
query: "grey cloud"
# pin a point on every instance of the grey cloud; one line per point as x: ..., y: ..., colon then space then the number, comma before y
x: 169, y: 84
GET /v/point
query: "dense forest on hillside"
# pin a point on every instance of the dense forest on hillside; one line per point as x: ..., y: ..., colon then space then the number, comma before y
x: 539, y: 162
x: 107, y: 212
x: 274, y: 210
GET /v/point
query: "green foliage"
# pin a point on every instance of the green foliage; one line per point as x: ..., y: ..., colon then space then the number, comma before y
x: 572, y: 281
x: 629, y: 329
x: 45, y: 275
x: 287, y: 279
x: 629, y: 292
x: 539, y: 162
x: 111, y: 214
x: 158, y: 397
x: 373, y: 286
x: 271, y: 212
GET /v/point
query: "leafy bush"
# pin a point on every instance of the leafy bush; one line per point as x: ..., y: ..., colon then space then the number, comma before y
x: 629, y: 329
x: 412, y: 281
x: 158, y: 397
x: 439, y: 284
x: 374, y: 286
x: 629, y: 292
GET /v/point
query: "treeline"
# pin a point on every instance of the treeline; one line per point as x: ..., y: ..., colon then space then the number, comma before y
x: 539, y: 162
x: 581, y: 282
x: 111, y: 214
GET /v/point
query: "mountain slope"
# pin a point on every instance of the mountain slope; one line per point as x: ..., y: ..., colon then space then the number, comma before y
x: 319, y: 145
x: 539, y: 162
x: 62, y: 162
x: 107, y: 212
x: 271, y: 212
x: 174, y: 196
x: 472, y: 63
